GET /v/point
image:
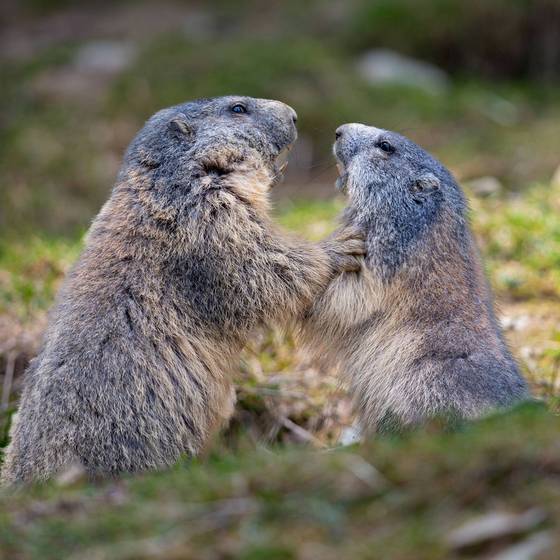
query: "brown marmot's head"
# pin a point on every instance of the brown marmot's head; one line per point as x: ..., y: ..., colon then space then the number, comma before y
x: 185, y: 150
x: 213, y: 135
x: 380, y: 163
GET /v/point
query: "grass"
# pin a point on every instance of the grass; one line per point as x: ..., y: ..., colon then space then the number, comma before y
x: 30, y: 272
x: 520, y: 238
x: 393, y: 498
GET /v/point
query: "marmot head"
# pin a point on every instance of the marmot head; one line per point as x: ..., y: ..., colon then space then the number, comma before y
x: 397, y: 190
x: 380, y: 164
x: 179, y: 147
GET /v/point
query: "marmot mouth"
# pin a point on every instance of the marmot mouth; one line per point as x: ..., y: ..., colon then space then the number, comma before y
x: 342, y: 179
x: 280, y: 164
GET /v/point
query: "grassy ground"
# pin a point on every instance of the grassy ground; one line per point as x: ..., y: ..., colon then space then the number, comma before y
x: 394, y: 498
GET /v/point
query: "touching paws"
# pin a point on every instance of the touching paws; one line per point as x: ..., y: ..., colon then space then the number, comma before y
x: 346, y: 249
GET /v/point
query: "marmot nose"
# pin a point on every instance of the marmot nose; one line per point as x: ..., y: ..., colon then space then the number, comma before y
x: 339, y: 132
x: 294, y: 116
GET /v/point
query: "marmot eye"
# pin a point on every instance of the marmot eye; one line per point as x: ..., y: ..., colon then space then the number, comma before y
x: 386, y: 147
x: 239, y: 108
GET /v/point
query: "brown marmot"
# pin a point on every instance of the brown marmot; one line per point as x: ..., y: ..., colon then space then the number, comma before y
x: 180, y: 267
x: 414, y: 332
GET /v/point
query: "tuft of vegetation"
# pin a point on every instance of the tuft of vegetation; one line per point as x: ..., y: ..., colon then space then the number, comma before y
x: 520, y: 238
x: 31, y: 271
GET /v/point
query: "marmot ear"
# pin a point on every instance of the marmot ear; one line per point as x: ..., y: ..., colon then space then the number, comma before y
x: 180, y: 127
x: 422, y: 187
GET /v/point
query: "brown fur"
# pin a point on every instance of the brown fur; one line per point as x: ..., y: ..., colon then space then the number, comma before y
x: 180, y: 268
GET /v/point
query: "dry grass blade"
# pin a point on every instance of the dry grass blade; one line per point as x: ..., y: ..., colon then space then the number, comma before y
x: 301, y: 433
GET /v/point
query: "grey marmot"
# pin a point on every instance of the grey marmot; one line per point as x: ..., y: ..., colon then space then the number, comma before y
x: 414, y: 332
x: 179, y: 268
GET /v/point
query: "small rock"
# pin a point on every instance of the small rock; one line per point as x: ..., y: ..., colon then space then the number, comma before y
x: 382, y: 66
x: 350, y: 435
x: 71, y: 475
x: 507, y: 323
x: 364, y: 471
x: 104, y: 57
x: 90, y: 73
x: 500, y: 110
x: 494, y: 526
x: 518, y: 323
x: 485, y: 186
x: 200, y: 25
x: 527, y: 353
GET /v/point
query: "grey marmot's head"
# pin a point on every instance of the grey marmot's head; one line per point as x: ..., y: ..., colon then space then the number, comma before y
x: 380, y: 164
x: 206, y: 136
x: 397, y: 190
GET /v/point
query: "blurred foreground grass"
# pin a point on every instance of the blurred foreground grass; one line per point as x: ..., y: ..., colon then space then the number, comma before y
x: 400, y: 498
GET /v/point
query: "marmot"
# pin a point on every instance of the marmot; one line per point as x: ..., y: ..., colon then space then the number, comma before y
x: 414, y: 332
x: 179, y: 268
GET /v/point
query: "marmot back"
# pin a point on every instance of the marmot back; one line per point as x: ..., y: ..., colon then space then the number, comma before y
x: 414, y: 332
x: 180, y: 267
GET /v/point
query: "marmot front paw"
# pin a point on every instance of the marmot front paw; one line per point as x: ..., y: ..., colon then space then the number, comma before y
x: 346, y: 249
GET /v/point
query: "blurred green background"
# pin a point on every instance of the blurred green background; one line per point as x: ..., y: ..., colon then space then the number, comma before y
x: 477, y: 83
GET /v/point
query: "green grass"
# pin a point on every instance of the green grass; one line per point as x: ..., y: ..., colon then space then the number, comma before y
x: 393, y: 498
x: 520, y: 238
x: 30, y: 273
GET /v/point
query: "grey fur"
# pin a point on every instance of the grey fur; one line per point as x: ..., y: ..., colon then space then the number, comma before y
x: 415, y: 332
x: 180, y: 267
